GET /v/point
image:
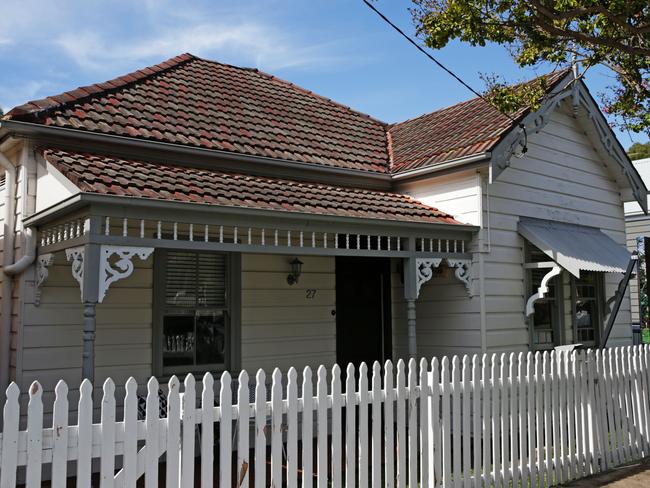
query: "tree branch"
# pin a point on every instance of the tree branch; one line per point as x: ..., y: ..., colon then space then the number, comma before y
x: 580, y: 36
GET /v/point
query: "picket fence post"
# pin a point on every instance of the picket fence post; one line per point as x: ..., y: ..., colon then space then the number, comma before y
x: 60, y: 432
x: 465, y: 421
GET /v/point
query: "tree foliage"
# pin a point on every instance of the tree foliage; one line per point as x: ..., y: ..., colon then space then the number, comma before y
x: 639, y: 151
x: 612, y: 33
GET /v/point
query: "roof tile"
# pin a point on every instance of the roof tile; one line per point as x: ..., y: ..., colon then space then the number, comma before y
x: 108, y: 175
x: 192, y: 101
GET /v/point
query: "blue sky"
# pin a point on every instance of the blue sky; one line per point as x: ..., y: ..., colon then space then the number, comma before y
x: 337, y: 48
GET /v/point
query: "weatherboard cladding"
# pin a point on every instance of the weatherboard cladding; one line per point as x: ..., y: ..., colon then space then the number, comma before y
x: 142, y: 179
x: 195, y: 102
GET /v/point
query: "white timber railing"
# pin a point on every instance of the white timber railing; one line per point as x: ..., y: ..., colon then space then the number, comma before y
x: 492, y: 420
x: 244, y: 236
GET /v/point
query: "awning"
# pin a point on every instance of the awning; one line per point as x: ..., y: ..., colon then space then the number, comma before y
x: 576, y: 247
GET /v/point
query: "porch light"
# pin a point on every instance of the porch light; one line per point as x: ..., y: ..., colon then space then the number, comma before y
x: 296, y: 270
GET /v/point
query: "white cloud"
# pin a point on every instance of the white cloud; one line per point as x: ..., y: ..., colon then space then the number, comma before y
x: 19, y: 94
x: 248, y: 41
x: 109, y: 37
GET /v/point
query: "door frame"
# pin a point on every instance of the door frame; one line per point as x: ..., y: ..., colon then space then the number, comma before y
x: 386, y: 308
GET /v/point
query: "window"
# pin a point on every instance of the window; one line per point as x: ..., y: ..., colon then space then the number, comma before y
x: 194, y: 312
x: 586, y: 306
x: 545, y: 323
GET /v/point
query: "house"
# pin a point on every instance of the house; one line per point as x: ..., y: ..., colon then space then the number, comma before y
x: 196, y: 216
x: 637, y: 226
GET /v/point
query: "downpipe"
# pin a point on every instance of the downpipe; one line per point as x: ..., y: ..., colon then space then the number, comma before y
x: 27, y: 259
x: 7, y: 281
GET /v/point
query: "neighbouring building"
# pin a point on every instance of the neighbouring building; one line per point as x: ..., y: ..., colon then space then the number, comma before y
x: 637, y: 226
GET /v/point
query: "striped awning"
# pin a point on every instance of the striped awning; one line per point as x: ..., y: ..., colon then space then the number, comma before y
x: 576, y: 247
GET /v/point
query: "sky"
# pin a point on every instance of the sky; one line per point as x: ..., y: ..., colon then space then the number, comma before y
x: 337, y: 48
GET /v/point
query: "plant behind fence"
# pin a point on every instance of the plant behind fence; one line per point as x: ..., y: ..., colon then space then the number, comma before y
x: 534, y: 420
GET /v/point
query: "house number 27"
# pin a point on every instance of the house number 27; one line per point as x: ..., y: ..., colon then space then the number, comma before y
x: 310, y: 293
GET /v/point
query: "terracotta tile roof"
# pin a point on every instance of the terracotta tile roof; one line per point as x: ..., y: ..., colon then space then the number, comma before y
x: 113, y: 176
x: 465, y: 129
x: 191, y: 101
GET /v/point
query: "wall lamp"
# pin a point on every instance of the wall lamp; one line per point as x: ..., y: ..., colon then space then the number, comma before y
x: 296, y: 270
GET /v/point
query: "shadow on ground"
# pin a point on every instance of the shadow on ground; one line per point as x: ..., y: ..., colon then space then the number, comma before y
x: 635, y: 475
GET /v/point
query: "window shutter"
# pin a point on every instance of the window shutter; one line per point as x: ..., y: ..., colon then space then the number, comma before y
x: 195, y: 280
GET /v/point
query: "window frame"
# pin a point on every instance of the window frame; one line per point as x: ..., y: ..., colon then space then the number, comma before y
x: 557, y: 282
x: 600, y: 301
x: 232, y: 355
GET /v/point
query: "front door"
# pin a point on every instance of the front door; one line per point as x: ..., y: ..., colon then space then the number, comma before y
x: 363, y: 319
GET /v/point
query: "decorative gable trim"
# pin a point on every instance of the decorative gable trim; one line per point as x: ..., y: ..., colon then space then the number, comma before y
x: 585, y: 110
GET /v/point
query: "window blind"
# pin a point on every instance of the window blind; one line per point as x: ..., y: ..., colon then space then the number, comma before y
x: 195, y: 280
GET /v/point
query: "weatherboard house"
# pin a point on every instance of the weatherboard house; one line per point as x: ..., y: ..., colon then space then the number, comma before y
x: 195, y: 216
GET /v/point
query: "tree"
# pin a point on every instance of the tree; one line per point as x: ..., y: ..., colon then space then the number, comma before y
x: 639, y: 151
x: 611, y: 33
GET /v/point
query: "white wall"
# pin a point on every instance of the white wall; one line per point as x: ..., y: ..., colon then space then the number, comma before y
x: 281, y: 327
x: 560, y: 178
x: 457, y: 194
x: 447, y: 323
x: 643, y: 167
x: 53, y: 187
x: 52, y: 332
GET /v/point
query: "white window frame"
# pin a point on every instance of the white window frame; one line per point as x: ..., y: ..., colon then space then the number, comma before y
x: 232, y: 310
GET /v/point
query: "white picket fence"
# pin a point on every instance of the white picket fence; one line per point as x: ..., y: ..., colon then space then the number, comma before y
x: 530, y: 420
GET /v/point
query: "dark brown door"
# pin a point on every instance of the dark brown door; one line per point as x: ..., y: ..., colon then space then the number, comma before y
x: 363, y: 319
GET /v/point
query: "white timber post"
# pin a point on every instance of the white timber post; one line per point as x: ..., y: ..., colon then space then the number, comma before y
x: 417, y: 271
x: 84, y: 261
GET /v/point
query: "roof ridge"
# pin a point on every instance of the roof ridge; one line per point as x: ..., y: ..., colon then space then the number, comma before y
x: 299, y: 88
x: 81, y: 93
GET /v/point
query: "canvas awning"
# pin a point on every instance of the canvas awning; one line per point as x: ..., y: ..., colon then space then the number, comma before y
x: 576, y: 247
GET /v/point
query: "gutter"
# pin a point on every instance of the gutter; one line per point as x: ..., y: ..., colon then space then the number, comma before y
x: 55, y: 135
x: 7, y: 282
x: 484, y: 156
x: 129, y: 206
x: 360, y: 177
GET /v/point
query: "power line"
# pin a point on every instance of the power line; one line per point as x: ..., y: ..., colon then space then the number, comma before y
x: 440, y: 65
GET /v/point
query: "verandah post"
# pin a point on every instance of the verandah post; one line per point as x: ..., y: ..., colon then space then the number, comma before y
x: 90, y: 291
x: 411, y: 294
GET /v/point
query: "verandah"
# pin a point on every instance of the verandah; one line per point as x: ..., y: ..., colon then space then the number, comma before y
x: 493, y: 420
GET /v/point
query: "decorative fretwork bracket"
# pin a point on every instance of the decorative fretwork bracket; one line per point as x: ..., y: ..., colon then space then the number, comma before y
x: 115, y: 263
x: 462, y: 272
x: 75, y: 255
x: 42, y: 263
x: 114, y: 269
x: 424, y: 271
x: 542, y: 290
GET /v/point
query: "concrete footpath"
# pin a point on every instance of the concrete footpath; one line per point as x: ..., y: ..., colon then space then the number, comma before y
x: 635, y: 475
